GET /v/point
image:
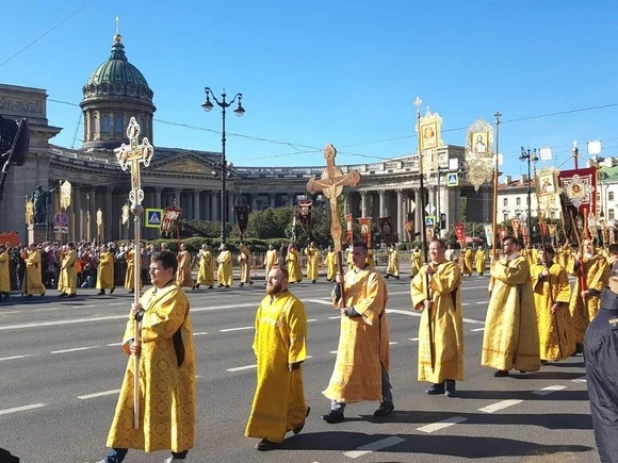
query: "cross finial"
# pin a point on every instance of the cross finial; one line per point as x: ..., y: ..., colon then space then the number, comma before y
x: 117, y: 25
x: 418, y: 102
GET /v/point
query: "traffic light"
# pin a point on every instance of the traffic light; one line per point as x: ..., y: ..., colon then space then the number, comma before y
x: 14, y: 142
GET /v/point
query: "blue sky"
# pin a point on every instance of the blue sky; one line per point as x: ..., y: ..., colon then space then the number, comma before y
x: 336, y: 71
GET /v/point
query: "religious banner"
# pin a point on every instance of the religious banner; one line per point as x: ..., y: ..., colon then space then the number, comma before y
x: 242, y: 218
x: 409, y: 224
x: 460, y: 232
x: 386, y: 228
x: 480, y: 161
x: 29, y: 212
x: 489, y: 235
x: 126, y: 215
x: 304, y: 214
x: 430, y: 231
x: 365, y: 230
x: 65, y: 194
x: 544, y: 230
x: 349, y: 229
x: 99, y: 225
x: 579, y: 200
x: 430, y: 140
x: 553, y: 230
x: 170, y: 221
x: 604, y: 232
x: 516, y: 224
x: 525, y: 234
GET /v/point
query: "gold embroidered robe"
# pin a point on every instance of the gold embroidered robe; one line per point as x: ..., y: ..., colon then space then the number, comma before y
x: 417, y: 261
x: 271, y: 260
x: 167, y: 391
x: 184, y: 276
x: 293, y: 258
x: 330, y: 262
x: 511, y: 336
x: 467, y: 260
x: 5, y: 274
x: 363, y: 341
x: 280, y: 340
x: 245, y: 265
x: 69, y: 272
x: 206, y: 272
x: 313, y: 263
x: 33, y: 284
x: 479, y: 259
x: 556, y: 336
x: 597, y: 273
x: 225, y: 274
x: 105, y: 275
x: 393, y: 263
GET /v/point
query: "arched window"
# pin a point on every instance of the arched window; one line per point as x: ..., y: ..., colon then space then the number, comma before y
x: 105, y: 123
x: 118, y: 124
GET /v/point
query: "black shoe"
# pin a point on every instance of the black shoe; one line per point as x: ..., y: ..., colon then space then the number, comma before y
x: 210, y: 287
x: 384, y: 410
x: 299, y: 428
x: 62, y: 295
x: 250, y: 283
x: 333, y: 417
x: 111, y: 291
x: 313, y: 282
x: 387, y: 276
x: 241, y: 285
x: 265, y: 445
x: 449, y: 388
x: 227, y: 286
x: 220, y: 286
x: 435, y: 389
x: 197, y: 286
x: 501, y: 374
x: 131, y: 291
x: 72, y: 296
x: 101, y: 293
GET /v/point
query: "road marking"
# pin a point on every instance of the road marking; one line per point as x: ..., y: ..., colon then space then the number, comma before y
x: 237, y: 329
x: 335, y: 318
x: 472, y: 321
x: 312, y: 320
x: 21, y: 409
x: 318, y: 301
x: 392, y: 343
x: 377, y: 445
x: 246, y: 367
x: 549, y: 389
x: 333, y: 351
x: 200, y: 333
x: 12, y: 311
x: 500, y: 405
x: 463, y: 304
x: 98, y: 394
x: 413, y: 339
x: 16, y: 357
x: 478, y: 329
x: 579, y: 380
x: 447, y: 423
x: 74, y: 349
x: 404, y: 312
x: 482, y: 302
x: 115, y: 344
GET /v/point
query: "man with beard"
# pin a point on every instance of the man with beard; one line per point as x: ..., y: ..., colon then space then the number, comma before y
x: 280, y: 346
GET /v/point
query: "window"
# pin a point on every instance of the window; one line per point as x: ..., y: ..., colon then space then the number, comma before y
x: 611, y: 214
x: 93, y: 127
x: 610, y: 196
x: 506, y: 201
x: 506, y: 216
x: 553, y: 215
x: 105, y: 124
x: 118, y: 124
x: 518, y: 201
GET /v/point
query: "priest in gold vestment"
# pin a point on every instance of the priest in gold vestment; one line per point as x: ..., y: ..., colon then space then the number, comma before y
x: 225, y: 272
x: 5, y: 273
x: 206, y: 272
x: 294, y: 270
x: 245, y: 265
x: 313, y: 262
x: 362, y: 367
x: 392, y: 270
x: 166, y: 373
x: 33, y: 284
x: 467, y: 259
x: 184, y: 278
x: 416, y: 261
x: 271, y: 260
x: 280, y: 346
x: 129, y: 280
x: 105, y: 274
x: 479, y: 261
x: 436, y: 290
x: 69, y: 272
x: 330, y: 262
x: 552, y: 292
x: 585, y: 301
x: 511, y: 336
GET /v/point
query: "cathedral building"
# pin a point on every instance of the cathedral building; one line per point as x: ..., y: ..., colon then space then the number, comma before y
x: 117, y: 91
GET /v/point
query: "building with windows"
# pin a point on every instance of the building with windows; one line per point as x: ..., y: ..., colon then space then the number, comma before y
x: 117, y: 91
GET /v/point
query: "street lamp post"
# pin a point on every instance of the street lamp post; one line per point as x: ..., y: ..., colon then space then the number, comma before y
x: 239, y: 111
x: 530, y: 156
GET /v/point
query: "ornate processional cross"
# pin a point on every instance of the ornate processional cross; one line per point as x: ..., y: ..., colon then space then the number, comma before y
x: 331, y: 184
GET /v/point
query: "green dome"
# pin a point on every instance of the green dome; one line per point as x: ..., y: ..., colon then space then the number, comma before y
x: 117, y: 70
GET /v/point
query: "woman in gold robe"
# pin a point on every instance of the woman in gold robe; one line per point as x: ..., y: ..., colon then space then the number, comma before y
x: 436, y: 290
x: 293, y: 258
x: 225, y: 275
x: 105, y: 274
x: 330, y: 262
x: 206, y: 272
x: 552, y: 292
x: 33, y: 284
x: 184, y: 278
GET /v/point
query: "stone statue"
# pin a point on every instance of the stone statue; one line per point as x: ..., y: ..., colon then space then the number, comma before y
x: 39, y: 199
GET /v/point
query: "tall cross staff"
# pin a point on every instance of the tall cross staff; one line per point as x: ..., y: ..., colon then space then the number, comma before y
x: 331, y: 185
x: 130, y: 157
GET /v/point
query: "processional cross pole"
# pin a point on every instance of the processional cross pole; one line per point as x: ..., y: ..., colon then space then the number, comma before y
x: 331, y: 185
x: 131, y: 157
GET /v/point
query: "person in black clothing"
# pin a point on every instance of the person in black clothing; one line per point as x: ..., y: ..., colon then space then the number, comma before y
x: 601, y: 360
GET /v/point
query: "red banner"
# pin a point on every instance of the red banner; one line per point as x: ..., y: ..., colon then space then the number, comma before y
x: 365, y: 229
x: 460, y: 232
x: 170, y: 219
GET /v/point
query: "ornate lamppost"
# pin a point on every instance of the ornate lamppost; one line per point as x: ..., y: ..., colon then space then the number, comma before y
x: 530, y: 157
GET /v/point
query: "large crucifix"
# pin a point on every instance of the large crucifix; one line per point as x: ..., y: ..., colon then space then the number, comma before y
x: 131, y: 157
x: 331, y: 185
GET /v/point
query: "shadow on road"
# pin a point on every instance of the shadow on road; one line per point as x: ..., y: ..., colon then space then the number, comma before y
x: 557, y: 396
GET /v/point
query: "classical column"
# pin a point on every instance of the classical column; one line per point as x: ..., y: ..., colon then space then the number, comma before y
x: 291, y: 199
x: 108, y: 218
x: 254, y: 198
x: 76, y: 204
x: 364, y: 203
x: 273, y: 198
x: 382, y: 210
x: 197, y: 210
x: 157, y: 196
x: 177, y: 192
x: 400, y: 227
x: 214, y: 207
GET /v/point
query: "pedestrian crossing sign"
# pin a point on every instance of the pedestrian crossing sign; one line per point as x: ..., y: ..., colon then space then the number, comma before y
x: 153, y: 218
x: 452, y: 179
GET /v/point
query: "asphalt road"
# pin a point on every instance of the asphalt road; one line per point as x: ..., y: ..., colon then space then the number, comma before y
x: 61, y: 368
